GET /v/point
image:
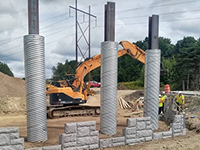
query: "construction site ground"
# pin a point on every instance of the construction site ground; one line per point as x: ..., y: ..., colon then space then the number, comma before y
x: 13, y: 114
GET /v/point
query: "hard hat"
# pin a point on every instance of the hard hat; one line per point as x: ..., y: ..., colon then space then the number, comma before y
x: 179, y: 92
x: 163, y: 92
x: 159, y: 95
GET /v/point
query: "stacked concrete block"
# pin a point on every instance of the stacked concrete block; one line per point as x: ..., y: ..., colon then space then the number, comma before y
x: 81, y: 135
x: 112, y: 142
x: 55, y: 147
x: 138, y: 130
x: 162, y: 135
x: 9, y: 139
x: 178, y: 125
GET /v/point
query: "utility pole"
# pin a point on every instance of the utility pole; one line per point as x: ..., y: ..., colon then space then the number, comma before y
x: 83, y: 31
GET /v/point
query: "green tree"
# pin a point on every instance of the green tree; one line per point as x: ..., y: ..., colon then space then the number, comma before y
x: 188, y: 64
x: 5, y: 69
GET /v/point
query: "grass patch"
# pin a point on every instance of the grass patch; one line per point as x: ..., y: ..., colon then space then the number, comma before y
x: 133, y: 85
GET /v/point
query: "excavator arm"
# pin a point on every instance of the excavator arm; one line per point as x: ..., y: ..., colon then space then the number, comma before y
x: 93, y: 63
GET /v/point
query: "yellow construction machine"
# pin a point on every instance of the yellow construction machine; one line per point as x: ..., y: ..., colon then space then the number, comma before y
x: 67, y: 100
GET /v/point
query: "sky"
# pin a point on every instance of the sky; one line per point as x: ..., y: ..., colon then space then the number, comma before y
x: 177, y: 18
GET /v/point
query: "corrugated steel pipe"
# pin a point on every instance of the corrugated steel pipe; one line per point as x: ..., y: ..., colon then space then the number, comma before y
x: 109, y: 60
x: 35, y: 87
x: 152, y: 85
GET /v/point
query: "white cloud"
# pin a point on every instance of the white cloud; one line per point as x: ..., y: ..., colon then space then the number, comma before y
x: 59, y: 31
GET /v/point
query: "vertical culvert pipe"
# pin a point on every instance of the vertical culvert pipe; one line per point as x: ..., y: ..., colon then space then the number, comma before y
x: 109, y: 60
x: 35, y: 87
x: 152, y: 85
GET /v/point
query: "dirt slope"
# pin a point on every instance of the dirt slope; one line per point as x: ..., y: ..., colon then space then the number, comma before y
x: 12, y: 95
x: 12, y: 87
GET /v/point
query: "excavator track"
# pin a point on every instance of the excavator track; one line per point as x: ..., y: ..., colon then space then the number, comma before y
x: 70, y: 111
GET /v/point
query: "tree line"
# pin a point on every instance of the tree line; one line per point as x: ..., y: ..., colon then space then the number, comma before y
x: 180, y: 62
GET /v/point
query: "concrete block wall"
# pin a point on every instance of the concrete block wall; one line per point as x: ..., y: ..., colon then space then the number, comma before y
x: 9, y: 139
x: 178, y: 125
x: 80, y: 135
x: 112, y: 142
x: 83, y: 135
x: 138, y: 130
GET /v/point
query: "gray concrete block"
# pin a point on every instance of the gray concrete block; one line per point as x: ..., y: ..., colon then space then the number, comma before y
x: 4, y: 139
x: 83, y: 131
x: 176, y: 131
x: 70, y: 128
x: 55, y: 147
x: 68, y: 145
x: 143, y: 119
x: 184, y: 131
x: 131, y: 122
x: 157, y: 135
x: 148, y: 138
x: 9, y: 130
x: 104, y: 143
x: 17, y: 141
x: 86, y: 124
x: 119, y: 144
x: 14, y: 135
x: 134, y: 141
x: 176, y: 134
x: 35, y: 148
x: 148, y: 125
x: 130, y: 130
x: 65, y: 138
x: 17, y: 147
x: 131, y: 136
x: 144, y: 133
x: 94, y: 133
x: 118, y: 139
x: 82, y: 147
x: 177, y: 118
x: 87, y: 140
x: 93, y: 128
x: 93, y: 146
x: 165, y: 137
x: 176, y: 126
x: 167, y: 133
x: 130, y: 142
x: 71, y: 148
x: 141, y: 125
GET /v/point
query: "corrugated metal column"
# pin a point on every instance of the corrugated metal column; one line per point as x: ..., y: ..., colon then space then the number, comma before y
x: 109, y: 60
x: 152, y: 73
x: 35, y: 77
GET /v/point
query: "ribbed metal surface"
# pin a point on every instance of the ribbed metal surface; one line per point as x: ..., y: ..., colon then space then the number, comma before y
x: 35, y: 87
x: 152, y: 84
x: 109, y: 59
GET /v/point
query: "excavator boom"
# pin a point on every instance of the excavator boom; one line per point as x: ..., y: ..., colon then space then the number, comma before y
x: 95, y: 62
x: 70, y: 97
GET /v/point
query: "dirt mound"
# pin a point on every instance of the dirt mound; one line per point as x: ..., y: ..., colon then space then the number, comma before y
x: 122, y: 87
x: 12, y: 105
x: 12, y: 95
x: 133, y: 96
x: 12, y: 87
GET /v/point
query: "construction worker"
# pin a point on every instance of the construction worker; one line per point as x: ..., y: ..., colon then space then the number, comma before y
x: 161, y: 108
x: 164, y: 97
x: 180, y: 100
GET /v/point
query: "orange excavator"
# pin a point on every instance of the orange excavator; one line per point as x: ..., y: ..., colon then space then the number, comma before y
x: 67, y: 100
